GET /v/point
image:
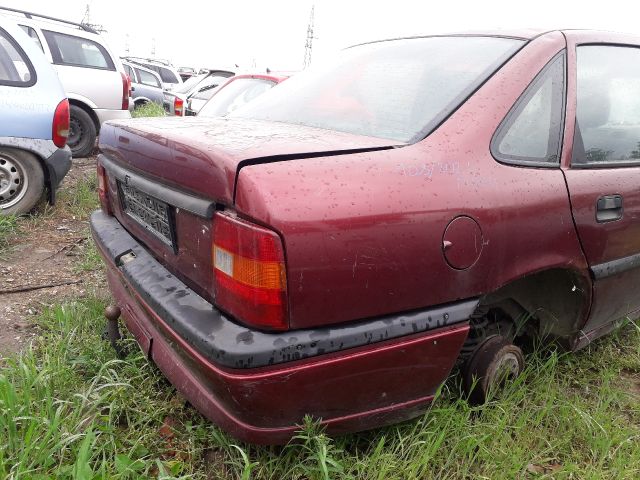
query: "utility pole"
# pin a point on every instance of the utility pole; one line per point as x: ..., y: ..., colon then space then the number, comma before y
x: 86, y: 20
x: 153, y: 47
x: 308, y: 46
x: 126, y: 44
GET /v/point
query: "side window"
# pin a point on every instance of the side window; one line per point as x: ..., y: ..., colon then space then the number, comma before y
x: 608, y: 106
x: 531, y: 132
x: 77, y: 51
x: 148, y: 78
x: 129, y: 71
x: 15, y: 67
x: 33, y: 36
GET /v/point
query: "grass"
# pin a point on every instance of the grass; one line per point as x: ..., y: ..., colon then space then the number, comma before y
x: 70, y: 409
x: 8, y: 229
x: 149, y: 109
x: 81, y: 200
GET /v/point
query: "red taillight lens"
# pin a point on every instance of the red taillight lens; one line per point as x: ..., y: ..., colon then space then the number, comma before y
x: 60, y: 128
x: 103, y: 189
x: 178, y: 106
x: 249, y: 273
x: 126, y: 90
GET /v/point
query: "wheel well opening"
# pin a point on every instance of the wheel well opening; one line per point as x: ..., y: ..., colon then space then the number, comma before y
x: 546, y: 306
x: 89, y: 110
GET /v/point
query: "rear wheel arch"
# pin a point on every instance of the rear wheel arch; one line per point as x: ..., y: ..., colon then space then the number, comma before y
x: 89, y: 110
x: 84, y: 129
x: 551, y: 304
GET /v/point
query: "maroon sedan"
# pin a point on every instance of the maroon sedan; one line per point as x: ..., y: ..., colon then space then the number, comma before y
x: 334, y: 247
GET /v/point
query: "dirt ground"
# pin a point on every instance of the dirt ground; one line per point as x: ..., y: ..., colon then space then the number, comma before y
x: 40, y: 267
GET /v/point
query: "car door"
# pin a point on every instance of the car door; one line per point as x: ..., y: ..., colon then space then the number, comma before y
x: 149, y: 86
x: 604, y: 175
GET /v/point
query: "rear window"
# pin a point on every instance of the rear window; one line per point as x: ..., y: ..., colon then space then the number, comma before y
x: 77, y: 51
x: 147, y: 78
x: 15, y: 67
x: 234, y: 95
x: 167, y: 75
x: 190, y: 84
x: 399, y: 90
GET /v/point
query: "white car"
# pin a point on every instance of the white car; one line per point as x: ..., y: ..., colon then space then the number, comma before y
x: 171, y: 79
x: 92, y: 76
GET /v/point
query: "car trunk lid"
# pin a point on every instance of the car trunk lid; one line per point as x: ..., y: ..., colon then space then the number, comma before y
x: 166, y: 177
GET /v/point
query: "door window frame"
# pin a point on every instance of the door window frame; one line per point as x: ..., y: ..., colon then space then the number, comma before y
x: 24, y: 57
x: 584, y: 165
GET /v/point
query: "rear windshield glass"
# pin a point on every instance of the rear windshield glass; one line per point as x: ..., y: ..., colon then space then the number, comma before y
x: 190, y: 84
x: 398, y: 90
x: 167, y: 75
x: 234, y: 95
x: 15, y: 69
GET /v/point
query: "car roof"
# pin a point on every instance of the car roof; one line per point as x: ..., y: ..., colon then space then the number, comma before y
x: 274, y: 76
x: 141, y: 67
x: 54, y: 26
x: 522, y: 34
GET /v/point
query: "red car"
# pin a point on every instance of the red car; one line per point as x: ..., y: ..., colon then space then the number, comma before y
x: 336, y: 246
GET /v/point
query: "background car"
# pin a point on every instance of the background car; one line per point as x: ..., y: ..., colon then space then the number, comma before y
x: 146, y: 85
x: 175, y: 100
x: 93, y: 78
x: 237, y: 91
x: 169, y: 75
x: 34, y: 124
x: 186, y: 72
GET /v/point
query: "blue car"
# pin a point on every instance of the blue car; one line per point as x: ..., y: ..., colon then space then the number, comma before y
x: 34, y: 124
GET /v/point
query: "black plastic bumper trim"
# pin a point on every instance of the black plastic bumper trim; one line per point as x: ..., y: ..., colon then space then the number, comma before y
x: 226, y: 343
x: 58, y: 165
x: 197, y: 206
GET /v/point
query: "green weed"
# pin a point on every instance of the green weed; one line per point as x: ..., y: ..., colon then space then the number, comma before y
x: 149, y: 109
x: 8, y: 228
x: 70, y: 409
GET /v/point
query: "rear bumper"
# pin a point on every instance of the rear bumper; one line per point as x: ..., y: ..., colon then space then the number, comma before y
x: 104, y: 114
x: 357, y: 387
x: 58, y: 164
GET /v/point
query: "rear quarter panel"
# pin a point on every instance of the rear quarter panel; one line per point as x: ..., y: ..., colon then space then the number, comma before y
x: 363, y: 233
x: 103, y: 88
x: 28, y: 111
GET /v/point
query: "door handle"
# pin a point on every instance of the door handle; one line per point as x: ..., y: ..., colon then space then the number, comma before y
x: 609, y: 208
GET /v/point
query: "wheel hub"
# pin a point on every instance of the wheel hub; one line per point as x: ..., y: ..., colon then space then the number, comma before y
x: 75, y: 132
x: 505, y: 368
x: 13, y: 182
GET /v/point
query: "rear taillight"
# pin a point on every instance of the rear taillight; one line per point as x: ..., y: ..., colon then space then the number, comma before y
x: 250, y: 280
x: 178, y: 106
x: 103, y: 189
x: 60, y: 128
x: 126, y: 90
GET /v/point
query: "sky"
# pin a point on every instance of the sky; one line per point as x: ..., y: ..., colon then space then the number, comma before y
x: 260, y: 34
